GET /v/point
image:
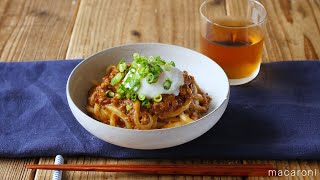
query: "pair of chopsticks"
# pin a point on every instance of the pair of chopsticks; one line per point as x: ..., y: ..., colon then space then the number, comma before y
x: 170, y: 169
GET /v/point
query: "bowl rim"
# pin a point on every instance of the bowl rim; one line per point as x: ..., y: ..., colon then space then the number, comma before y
x: 89, y: 58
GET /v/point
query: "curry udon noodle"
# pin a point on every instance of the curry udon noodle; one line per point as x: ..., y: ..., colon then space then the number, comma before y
x: 149, y: 93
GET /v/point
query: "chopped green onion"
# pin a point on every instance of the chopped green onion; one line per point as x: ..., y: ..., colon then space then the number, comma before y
x: 150, y: 78
x: 135, y: 56
x: 143, y: 59
x: 159, y: 61
x: 134, y: 64
x: 172, y: 64
x: 128, y: 95
x: 167, y: 84
x: 133, y: 97
x: 167, y: 67
x: 156, y: 69
x: 121, y: 86
x: 136, y: 87
x: 143, y: 71
x: 141, y: 97
x: 133, y: 69
x: 128, y: 107
x: 122, y: 66
x: 151, y: 59
x: 120, y: 91
x: 116, y: 79
x: 133, y: 81
x: 142, y: 67
x: 136, y: 77
x: 127, y: 78
x: 157, y: 98
x: 146, y: 103
x: 110, y: 94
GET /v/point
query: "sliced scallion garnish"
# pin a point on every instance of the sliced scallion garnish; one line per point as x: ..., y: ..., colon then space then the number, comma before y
x: 121, y: 89
x: 128, y: 95
x: 150, y: 78
x: 136, y: 87
x: 156, y: 69
x: 172, y: 63
x: 146, y: 103
x: 157, y: 98
x: 133, y: 97
x: 135, y: 56
x: 133, y: 69
x: 110, y: 94
x: 128, y: 107
x: 167, y: 84
x: 122, y: 66
x: 141, y: 97
x: 116, y: 79
x: 143, y: 71
x: 167, y: 67
x: 142, y: 67
x: 159, y: 61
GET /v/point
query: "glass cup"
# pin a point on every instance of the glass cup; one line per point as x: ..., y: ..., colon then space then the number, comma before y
x: 232, y: 34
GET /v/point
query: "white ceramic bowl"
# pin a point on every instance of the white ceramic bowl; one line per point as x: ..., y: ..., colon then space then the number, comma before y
x: 210, y: 77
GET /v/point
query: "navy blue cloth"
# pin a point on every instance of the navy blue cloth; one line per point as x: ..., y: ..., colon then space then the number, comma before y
x: 276, y: 116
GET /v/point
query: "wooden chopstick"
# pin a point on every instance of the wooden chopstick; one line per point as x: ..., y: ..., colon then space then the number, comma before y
x: 181, y: 169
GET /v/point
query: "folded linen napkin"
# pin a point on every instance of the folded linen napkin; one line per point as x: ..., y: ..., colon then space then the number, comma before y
x: 276, y: 116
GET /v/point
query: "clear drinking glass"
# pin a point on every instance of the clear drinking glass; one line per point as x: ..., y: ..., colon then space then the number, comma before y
x: 232, y: 34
